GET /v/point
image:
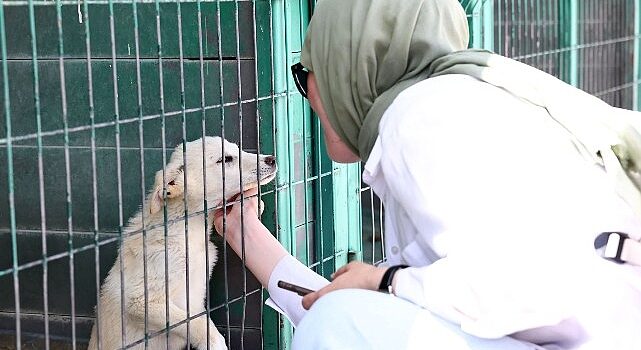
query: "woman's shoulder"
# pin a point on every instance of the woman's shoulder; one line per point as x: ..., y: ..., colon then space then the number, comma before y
x: 453, y: 93
x: 456, y: 100
x: 451, y: 88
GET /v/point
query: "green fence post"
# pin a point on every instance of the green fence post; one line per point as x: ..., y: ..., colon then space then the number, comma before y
x: 337, y: 232
x: 488, y: 24
x: 354, y: 208
x: 341, y: 215
x: 480, y: 19
x: 574, y: 42
x: 283, y: 178
x: 481, y: 24
x: 347, y: 214
x: 569, y: 39
x: 637, y: 53
x: 10, y: 176
x: 280, y: 89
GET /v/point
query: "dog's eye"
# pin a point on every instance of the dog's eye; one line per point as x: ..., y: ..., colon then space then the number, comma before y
x: 227, y: 159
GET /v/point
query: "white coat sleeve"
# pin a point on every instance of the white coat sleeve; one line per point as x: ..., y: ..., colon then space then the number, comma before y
x: 289, y: 269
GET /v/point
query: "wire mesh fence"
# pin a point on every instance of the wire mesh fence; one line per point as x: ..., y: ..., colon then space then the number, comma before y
x: 98, y: 93
x: 590, y: 44
x: 96, y: 96
x: 608, y: 47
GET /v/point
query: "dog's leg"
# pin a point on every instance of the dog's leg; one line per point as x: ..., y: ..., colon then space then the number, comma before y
x: 198, y: 334
x: 197, y: 327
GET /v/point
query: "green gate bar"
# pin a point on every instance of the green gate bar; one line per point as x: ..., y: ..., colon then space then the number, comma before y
x: 10, y: 174
x: 637, y: 55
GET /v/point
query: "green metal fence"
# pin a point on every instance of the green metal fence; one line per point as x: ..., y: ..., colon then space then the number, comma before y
x: 97, y: 92
x: 318, y: 211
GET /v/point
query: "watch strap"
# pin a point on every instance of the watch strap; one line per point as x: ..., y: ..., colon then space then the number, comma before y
x: 388, y: 277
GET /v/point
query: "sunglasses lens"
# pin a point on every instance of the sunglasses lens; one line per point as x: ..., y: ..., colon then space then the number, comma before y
x: 300, y: 79
x: 301, y: 83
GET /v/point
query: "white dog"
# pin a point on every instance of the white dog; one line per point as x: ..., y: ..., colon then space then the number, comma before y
x: 184, y: 183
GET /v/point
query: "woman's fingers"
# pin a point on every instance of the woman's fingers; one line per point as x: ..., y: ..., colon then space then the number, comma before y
x: 250, y: 203
x: 311, y: 298
x: 250, y: 192
x: 249, y: 198
x: 342, y: 278
x: 353, y: 275
x: 218, y: 219
x: 341, y: 270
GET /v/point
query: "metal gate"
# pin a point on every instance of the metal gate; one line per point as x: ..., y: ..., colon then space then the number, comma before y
x: 96, y: 94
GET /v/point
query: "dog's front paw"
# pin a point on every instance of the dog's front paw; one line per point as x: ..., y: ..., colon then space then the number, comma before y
x: 204, y: 339
x: 217, y: 342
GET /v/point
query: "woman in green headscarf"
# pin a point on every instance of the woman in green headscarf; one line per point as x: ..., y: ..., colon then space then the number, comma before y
x: 497, y: 181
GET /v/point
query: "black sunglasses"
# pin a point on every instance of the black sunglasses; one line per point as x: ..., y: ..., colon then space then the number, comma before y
x: 300, y: 78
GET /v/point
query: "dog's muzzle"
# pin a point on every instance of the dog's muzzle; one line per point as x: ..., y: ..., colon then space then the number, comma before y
x: 270, y: 160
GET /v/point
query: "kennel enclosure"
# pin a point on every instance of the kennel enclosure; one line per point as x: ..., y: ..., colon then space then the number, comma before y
x: 97, y: 93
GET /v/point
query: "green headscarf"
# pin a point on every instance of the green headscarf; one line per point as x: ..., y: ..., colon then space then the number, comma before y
x: 364, y: 53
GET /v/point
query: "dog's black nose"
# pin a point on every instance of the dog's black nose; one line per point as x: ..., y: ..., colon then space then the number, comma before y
x: 270, y: 160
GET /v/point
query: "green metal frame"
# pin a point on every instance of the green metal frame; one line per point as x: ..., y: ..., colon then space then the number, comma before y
x: 569, y: 34
x: 574, y: 40
x: 480, y: 15
x: 637, y: 55
x: 329, y: 185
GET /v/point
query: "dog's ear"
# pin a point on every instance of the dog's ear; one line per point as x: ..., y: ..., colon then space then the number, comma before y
x: 174, y: 185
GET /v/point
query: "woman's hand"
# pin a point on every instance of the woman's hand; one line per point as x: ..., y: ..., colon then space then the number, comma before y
x: 262, y: 250
x: 251, y: 208
x: 353, y: 275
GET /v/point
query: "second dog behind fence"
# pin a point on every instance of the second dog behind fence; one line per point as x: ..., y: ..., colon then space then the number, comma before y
x: 161, y: 247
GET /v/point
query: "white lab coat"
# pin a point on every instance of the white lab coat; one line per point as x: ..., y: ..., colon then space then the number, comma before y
x: 496, y: 211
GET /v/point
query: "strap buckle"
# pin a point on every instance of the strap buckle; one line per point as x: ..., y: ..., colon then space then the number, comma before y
x: 614, y: 247
x: 619, y: 248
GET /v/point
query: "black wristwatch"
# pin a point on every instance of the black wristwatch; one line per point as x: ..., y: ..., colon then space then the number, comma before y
x: 388, y: 277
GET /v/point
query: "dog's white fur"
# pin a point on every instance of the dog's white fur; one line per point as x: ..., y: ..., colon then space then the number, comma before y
x: 254, y: 172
